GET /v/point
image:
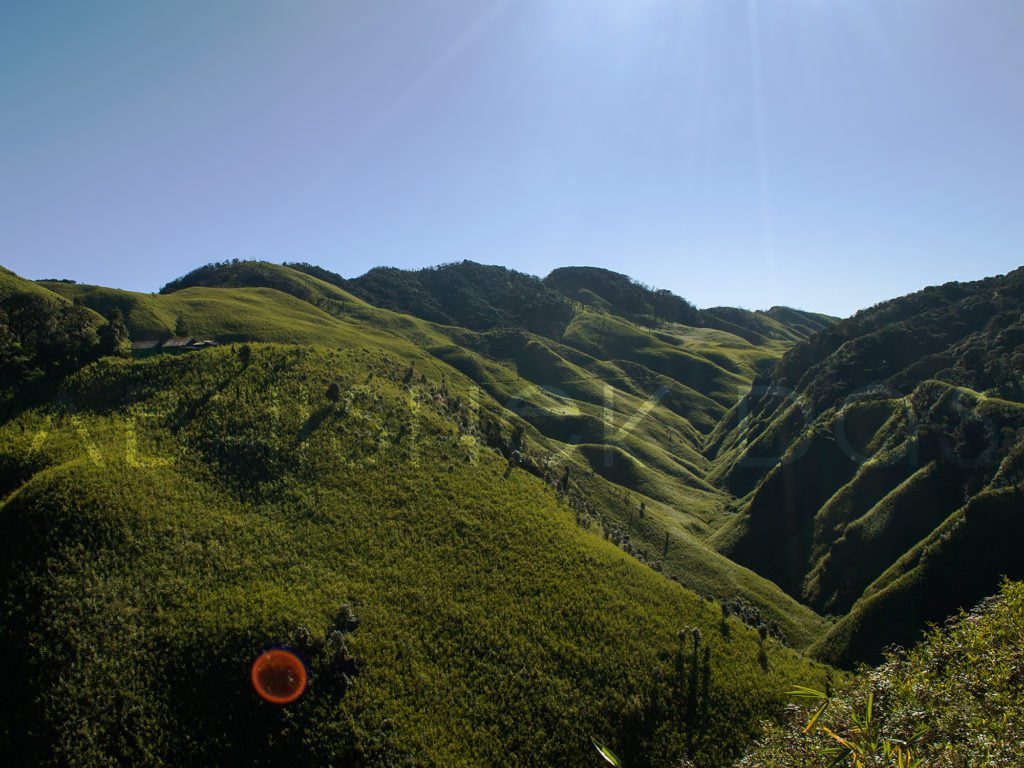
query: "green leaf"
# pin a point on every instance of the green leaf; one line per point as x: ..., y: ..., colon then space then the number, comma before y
x: 803, y: 692
x: 814, y: 718
x: 606, y: 753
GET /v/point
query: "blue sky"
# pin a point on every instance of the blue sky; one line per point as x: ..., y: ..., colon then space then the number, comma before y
x: 824, y: 154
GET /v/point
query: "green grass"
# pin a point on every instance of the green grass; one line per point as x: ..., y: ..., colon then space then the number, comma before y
x: 568, y: 396
x: 952, y: 701
x: 233, y: 314
x: 173, y: 515
x: 11, y: 284
x: 846, y: 538
x: 903, y: 517
x: 612, y: 338
x: 960, y: 562
x: 163, y: 517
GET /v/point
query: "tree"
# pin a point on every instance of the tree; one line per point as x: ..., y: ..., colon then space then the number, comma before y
x: 180, y: 327
x: 114, y: 339
x: 334, y: 392
x: 56, y: 339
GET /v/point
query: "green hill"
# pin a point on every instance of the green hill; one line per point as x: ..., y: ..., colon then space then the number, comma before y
x: 166, y: 518
x: 952, y: 701
x: 43, y: 336
x: 816, y: 454
x: 506, y: 479
x: 861, y: 449
x: 617, y: 294
x: 471, y: 295
x: 613, y: 293
x: 649, y: 395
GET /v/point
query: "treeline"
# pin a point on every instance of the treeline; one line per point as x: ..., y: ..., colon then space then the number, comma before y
x: 968, y: 334
x: 43, y: 337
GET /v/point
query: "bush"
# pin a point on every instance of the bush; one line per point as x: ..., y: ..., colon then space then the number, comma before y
x: 953, y: 701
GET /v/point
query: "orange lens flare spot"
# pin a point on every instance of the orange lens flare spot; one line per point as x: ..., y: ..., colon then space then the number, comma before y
x: 279, y: 676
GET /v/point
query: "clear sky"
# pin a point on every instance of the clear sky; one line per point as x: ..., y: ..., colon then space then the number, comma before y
x: 824, y: 154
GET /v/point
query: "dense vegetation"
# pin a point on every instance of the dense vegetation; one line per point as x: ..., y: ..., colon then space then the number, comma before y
x: 44, y: 337
x: 617, y: 294
x: 954, y: 701
x: 167, y: 518
x: 650, y: 398
x: 472, y: 295
x: 868, y: 454
x: 465, y: 493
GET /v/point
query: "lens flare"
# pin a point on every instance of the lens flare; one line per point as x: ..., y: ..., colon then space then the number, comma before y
x: 279, y: 676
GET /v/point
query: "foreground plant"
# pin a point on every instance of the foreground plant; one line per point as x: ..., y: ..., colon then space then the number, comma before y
x: 956, y: 700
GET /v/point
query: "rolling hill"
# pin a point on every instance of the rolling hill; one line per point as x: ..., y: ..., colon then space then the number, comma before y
x: 164, y: 518
x: 531, y: 491
x: 651, y: 397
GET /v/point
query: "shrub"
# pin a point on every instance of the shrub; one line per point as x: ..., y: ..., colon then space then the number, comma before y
x: 953, y: 701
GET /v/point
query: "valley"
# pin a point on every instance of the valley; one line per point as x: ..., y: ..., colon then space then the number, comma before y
x: 561, y: 508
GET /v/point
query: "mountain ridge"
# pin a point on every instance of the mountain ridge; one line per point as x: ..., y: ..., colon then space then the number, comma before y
x: 819, y: 481
x: 571, y: 398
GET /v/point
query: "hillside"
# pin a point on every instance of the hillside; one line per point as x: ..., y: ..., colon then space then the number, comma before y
x: 43, y: 336
x: 617, y: 294
x: 627, y: 412
x: 165, y: 518
x: 867, y: 455
x: 889, y: 422
x: 772, y: 478
x: 606, y: 291
x: 952, y: 701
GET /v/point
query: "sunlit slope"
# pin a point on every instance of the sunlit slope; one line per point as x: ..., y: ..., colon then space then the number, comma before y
x: 166, y: 518
x: 613, y: 293
x: 755, y: 327
x: 720, y: 378
x: 965, y: 333
x: 12, y: 285
x: 576, y: 404
x: 962, y: 561
x: 580, y: 403
x: 952, y: 700
x: 236, y: 314
x: 303, y: 311
x: 618, y: 294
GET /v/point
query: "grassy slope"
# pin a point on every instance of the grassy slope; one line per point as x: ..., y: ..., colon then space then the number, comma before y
x: 172, y: 515
x: 960, y: 562
x: 885, y: 423
x: 11, y: 284
x: 229, y: 314
x: 569, y: 396
x: 609, y: 337
x: 952, y: 701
